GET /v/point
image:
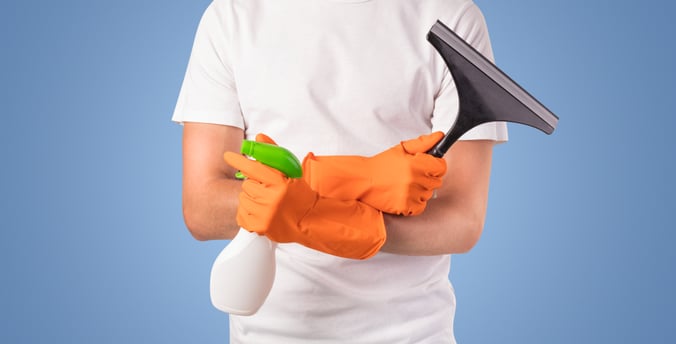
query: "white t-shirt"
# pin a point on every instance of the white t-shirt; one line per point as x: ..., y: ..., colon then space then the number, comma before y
x: 336, y: 77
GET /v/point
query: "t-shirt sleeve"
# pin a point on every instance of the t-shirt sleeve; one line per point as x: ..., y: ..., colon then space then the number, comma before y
x: 208, y: 93
x: 471, y: 26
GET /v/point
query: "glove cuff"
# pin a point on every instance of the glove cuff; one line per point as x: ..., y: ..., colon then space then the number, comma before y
x: 348, y: 229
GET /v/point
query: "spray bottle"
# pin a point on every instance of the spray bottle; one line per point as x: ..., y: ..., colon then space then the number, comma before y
x: 243, y: 273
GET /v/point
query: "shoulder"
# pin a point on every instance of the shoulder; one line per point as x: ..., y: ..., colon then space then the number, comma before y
x: 220, y: 18
x: 454, y: 11
x: 466, y: 19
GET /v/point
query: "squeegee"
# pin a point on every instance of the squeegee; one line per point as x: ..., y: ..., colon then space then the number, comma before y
x: 486, y: 94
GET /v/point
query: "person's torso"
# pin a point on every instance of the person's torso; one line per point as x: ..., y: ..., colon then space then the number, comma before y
x: 336, y: 77
x: 317, y: 298
x: 342, y: 77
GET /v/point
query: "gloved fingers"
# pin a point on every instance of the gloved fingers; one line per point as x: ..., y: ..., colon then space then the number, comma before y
x: 415, y: 203
x: 424, y: 194
x: 413, y: 209
x: 429, y: 165
x: 265, y: 139
x: 255, y: 213
x: 418, y: 205
x: 249, y: 221
x: 258, y: 192
x: 429, y: 183
x: 253, y: 169
x: 423, y: 143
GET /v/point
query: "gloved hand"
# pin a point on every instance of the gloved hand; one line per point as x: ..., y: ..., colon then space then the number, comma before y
x: 399, y: 180
x: 288, y: 210
x: 260, y: 137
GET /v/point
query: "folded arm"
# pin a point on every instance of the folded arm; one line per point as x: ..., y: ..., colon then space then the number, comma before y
x: 210, y: 190
x: 453, y: 221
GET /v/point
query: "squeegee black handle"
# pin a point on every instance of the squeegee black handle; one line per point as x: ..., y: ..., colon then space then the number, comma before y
x: 463, y: 123
x: 440, y: 148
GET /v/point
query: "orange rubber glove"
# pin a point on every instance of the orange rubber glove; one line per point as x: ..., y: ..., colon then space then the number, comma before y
x: 288, y: 210
x: 260, y: 137
x: 399, y: 180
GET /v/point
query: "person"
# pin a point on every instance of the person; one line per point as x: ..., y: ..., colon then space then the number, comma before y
x: 337, y: 81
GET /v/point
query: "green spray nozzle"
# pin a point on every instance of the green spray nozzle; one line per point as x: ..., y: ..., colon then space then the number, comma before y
x: 274, y: 156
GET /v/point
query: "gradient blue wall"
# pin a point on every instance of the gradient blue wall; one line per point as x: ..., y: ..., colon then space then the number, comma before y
x: 577, y: 245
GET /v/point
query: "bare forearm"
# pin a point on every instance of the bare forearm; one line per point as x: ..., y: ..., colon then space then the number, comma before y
x: 210, y: 213
x: 452, y: 222
x: 439, y: 230
x: 210, y: 191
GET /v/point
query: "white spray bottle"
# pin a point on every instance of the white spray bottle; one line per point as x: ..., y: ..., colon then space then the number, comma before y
x: 243, y: 273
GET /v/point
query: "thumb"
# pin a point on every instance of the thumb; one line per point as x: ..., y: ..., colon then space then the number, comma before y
x: 265, y: 139
x: 423, y: 143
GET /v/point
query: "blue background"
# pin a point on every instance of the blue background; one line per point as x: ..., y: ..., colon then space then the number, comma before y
x: 578, y: 242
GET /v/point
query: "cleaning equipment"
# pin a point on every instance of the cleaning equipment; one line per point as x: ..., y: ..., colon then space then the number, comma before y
x: 243, y: 273
x: 284, y: 210
x: 486, y: 94
x: 288, y: 210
